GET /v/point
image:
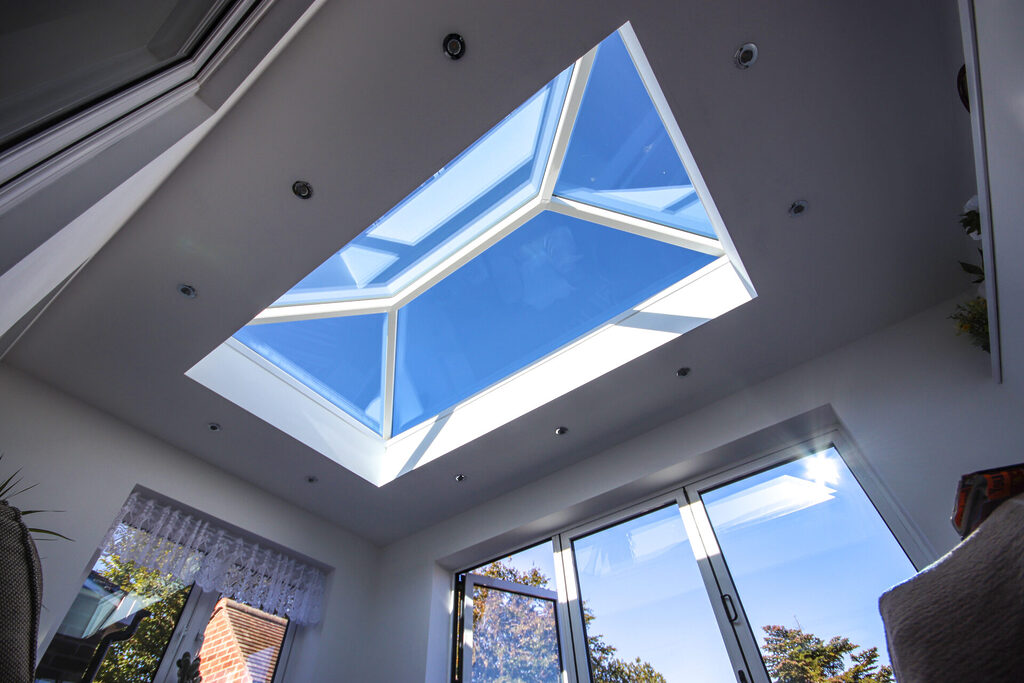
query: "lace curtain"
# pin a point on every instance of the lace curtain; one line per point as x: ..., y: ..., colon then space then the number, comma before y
x: 159, y: 536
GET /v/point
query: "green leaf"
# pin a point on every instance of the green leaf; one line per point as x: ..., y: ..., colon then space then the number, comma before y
x: 49, y: 533
x: 971, y: 268
x: 27, y: 488
x: 7, y: 485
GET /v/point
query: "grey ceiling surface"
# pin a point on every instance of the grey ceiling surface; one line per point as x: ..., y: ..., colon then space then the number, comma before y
x: 851, y: 106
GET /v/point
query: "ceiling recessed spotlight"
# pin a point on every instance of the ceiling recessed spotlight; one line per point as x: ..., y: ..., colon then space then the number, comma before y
x: 460, y: 477
x: 798, y: 207
x: 682, y: 372
x: 745, y: 56
x: 454, y: 45
x: 302, y: 189
x: 187, y: 291
x: 561, y: 431
x: 312, y: 479
x: 213, y: 426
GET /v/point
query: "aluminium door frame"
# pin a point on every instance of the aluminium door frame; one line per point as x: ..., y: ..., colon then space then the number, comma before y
x: 717, y: 594
x: 906, y: 535
x: 473, y: 580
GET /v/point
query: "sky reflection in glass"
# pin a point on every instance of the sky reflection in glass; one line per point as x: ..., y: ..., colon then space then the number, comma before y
x: 341, y: 359
x: 546, y: 284
x: 500, y: 172
x: 807, y: 549
x: 641, y: 582
x: 620, y: 156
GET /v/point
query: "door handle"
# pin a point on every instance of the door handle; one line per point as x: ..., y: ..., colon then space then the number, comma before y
x: 730, y: 608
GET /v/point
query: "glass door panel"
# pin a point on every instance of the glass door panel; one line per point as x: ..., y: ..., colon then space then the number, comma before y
x: 511, y: 633
x: 810, y: 556
x: 645, y: 604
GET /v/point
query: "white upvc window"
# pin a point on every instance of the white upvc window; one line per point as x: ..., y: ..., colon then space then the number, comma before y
x: 717, y: 579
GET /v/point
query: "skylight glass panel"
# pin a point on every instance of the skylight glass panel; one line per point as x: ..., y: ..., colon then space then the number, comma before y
x: 549, y: 282
x: 341, y: 359
x: 528, y: 266
x: 620, y: 155
x: 498, y: 174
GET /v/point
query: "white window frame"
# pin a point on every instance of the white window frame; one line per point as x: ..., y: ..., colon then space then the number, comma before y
x: 257, y: 385
x: 738, y: 637
x: 71, y: 130
x: 473, y: 580
x: 188, y: 633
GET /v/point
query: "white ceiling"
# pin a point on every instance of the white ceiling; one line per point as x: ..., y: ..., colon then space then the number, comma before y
x: 851, y: 106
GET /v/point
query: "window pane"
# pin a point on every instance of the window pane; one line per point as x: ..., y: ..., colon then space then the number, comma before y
x: 620, y: 156
x: 645, y: 605
x: 809, y: 554
x: 534, y: 566
x: 241, y: 643
x: 546, y: 284
x: 342, y: 359
x: 482, y: 185
x: 71, y: 54
x: 514, y: 638
x: 113, y: 593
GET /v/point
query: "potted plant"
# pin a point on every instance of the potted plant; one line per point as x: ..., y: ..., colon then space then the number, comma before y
x: 972, y: 316
x: 21, y: 589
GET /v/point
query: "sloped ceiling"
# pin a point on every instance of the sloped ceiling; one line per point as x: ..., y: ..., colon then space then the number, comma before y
x: 851, y: 106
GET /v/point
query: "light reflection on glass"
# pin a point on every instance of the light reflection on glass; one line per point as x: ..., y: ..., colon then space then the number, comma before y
x: 643, y: 595
x: 807, y: 550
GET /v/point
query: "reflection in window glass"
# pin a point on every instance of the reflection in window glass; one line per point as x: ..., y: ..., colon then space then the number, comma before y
x: 515, y: 638
x: 809, y: 555
x: 110, y: 598
x: 71, y: 54
x: 645, y: 606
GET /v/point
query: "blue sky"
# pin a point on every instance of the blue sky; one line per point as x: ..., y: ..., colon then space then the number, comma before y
x: 803, y: 543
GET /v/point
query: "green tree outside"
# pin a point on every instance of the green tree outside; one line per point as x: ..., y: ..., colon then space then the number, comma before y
x: 515, y: 639
x: 793, y: 656
x: 136, y: 660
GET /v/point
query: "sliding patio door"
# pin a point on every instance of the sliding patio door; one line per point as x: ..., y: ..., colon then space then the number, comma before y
x: 728, y: 578
x: 809, y: 554
x: 646, y: 607
x: 767, y: 572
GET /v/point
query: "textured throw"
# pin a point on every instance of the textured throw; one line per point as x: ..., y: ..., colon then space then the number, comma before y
x: 962, y: 618
x: 21, y: 594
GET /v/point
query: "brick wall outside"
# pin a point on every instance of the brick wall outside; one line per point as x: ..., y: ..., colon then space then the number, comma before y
x: 241, y: 644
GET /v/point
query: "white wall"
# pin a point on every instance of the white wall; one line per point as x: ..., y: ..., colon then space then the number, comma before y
x: 87, y: 463
x: 999, y: 26
x: 918, y: 401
